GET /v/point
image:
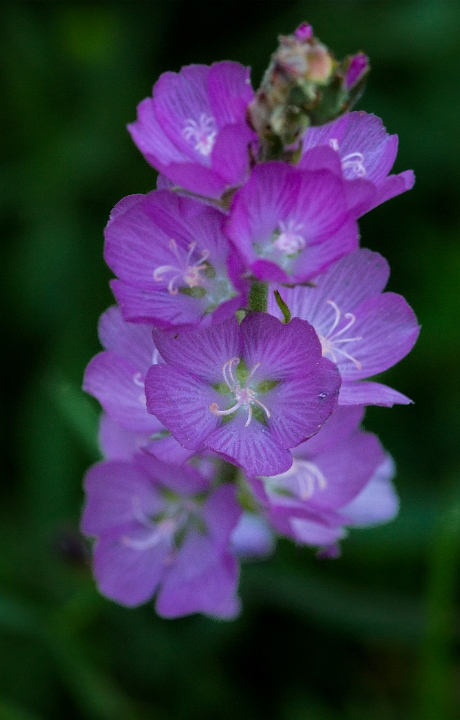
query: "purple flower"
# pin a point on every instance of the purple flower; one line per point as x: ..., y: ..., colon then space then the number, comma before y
x: 186, y: 129
x: 248, y: 392
x: 360, y: 328
x: 310, y: 501
x: 116, y: 378
x: 173, y: 262
x: 162, y: 530
x: 366, y: 153
x: 290, y: 224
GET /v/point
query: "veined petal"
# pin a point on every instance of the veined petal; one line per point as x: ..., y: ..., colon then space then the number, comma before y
x: 149, y: 136
x: 180, y: 99
x: 357, y: 132
x: 347, y: 468
x: 157, y: 307
x: 131, y: 341
x: 201, y: 352
x: 282, y: 350
x: 125, y: 574
x: 370, y: 393
x: 202, y: 579
x: 135, y: 246
x: 230, y: 91
x: 354, y: 278
x: 390, y: 187
x: 342, y: 423
x: 110, y: 487
x: 300, y: 407
x: 119, y: 387
x: 232, y: 166
x: 389, y: 330
x: 181, y: 402
x: 252, y: 447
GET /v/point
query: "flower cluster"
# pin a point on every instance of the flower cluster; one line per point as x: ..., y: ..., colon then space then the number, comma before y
x: 236, y: 363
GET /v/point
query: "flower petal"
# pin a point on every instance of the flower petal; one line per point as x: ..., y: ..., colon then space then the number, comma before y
x: 119, y: 387
x: 370, y: 393
x: 124, y: 574
x: 111, y: 487
x: 201, y: 352
x: 202, y: 579
x: 252, y: 447
x: 182, y: 403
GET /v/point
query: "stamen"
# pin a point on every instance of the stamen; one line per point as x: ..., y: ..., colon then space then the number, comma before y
x: 301, y: 480
x: 353, y: 161
x: 245, y: 396
x: 185, y: 270
x: 171, y: 520
x: 138, y: 380
x: 201, y: 134
x: 309, y: 474
x: 163, y: 530
x: 330, y: 341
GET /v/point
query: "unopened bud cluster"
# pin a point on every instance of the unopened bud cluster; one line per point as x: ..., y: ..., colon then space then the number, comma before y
x: 304, y: 85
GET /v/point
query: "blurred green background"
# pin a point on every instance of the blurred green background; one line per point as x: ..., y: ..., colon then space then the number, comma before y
x: 372, y: 635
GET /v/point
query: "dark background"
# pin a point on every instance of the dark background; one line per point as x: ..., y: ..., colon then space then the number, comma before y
x: 371, y: 635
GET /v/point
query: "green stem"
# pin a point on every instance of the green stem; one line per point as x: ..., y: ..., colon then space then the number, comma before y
x: 258, y: 296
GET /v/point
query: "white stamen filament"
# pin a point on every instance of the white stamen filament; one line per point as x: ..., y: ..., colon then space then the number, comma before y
x: 162, y: 530
x: 139, y: 381
x: 309, y: 474
x: 301, y: 480
x: 332, y: 339
x: 353, y: 161
x: 187, y: 271
x: 201, y: 134
x: 245, y: 397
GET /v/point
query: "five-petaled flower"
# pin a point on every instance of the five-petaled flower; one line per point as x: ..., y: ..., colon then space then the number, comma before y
x: 162, y: 530
x: 248, y: 392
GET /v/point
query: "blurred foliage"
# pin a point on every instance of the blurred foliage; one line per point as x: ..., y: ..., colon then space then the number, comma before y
x: 374, y: 634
